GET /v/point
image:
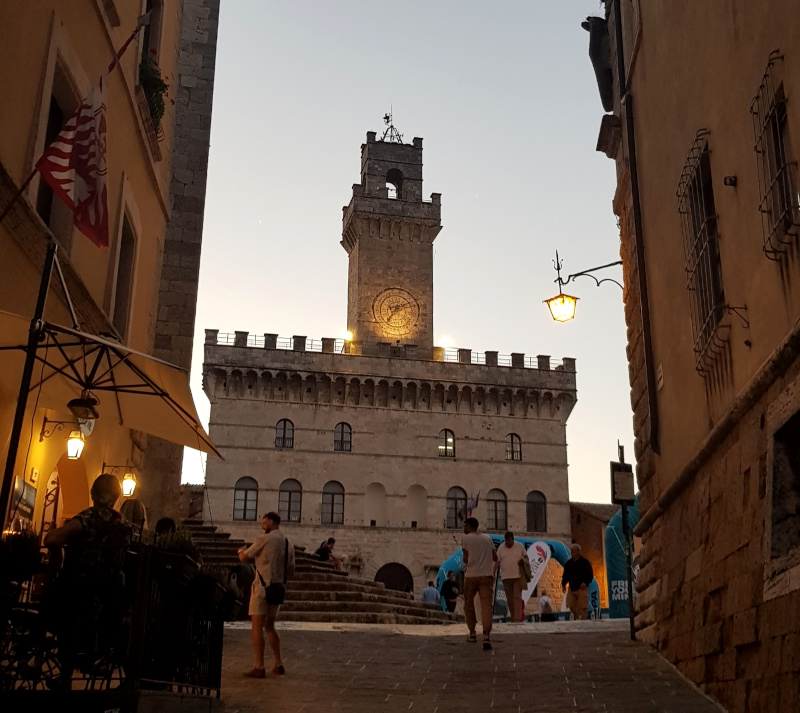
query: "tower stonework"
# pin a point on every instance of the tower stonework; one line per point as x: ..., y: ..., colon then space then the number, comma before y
x: 388, y: 233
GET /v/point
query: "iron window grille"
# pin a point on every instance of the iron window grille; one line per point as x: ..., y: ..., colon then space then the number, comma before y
x: 342, y: 438
x: 536, y: 511
x: 496, y: 510
x: 284, y: 434
x: 513, y: 447
x: 456, y: 508
x: 333, y: 504
x: 290, y: 500
x: 245, y: 499
x: 701, y: 247
x: 447, y: 444
x: 779, y: 203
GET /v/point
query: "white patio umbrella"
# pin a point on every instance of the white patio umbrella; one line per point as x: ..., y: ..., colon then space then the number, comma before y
x: 138, y: 390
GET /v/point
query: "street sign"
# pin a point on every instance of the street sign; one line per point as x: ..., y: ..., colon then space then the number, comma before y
x: 623, y: 490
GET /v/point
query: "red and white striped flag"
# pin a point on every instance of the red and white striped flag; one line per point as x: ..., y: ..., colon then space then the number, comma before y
x: 74, y: 166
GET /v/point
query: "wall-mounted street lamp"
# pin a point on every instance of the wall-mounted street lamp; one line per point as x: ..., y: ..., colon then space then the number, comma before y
x: 562, y: 306
x: 75, y: 440
x: 128, y: 480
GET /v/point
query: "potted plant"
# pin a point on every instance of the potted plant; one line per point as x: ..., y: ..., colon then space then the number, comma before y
x: 155, y: 89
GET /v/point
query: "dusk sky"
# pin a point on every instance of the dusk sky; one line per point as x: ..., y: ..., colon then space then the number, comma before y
x: 504, y: 96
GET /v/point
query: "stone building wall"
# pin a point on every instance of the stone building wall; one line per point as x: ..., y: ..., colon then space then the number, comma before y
x: 177, y: 299
x: 393, y: 475
x: 719, y: 584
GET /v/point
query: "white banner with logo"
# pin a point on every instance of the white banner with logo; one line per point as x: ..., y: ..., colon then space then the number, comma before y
x: 539, y: 554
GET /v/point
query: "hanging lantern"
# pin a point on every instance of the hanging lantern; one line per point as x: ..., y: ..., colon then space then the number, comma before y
x: 128, y: 484
x: 562, y: 307
x: 75, y: 444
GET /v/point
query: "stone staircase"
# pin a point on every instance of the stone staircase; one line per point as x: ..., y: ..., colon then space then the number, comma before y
x: 318, y: 593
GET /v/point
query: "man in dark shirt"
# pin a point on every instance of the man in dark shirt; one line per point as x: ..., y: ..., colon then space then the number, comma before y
x: 578, y: 574
x: 325, y: 553
x: 449, y: 592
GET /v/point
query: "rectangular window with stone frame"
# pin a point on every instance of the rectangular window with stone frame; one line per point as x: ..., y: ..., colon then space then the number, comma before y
x: 698, y: 218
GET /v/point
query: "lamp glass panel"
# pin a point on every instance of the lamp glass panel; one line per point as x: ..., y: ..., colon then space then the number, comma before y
x: 75, y: 444
x: 562, y: 307
x: 128, y: 484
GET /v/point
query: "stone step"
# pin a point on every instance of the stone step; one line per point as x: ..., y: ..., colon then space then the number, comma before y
x: 364, y: 607
x: 335, y: 581
x: 350, y: 597
x: 318, y: 593
x: 358, y: 618
x: 384, y: 604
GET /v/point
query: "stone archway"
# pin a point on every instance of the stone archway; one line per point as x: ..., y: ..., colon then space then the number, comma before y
x: 395, y: 576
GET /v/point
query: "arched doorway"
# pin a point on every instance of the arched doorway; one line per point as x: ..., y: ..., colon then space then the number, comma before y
x: 395, y: 576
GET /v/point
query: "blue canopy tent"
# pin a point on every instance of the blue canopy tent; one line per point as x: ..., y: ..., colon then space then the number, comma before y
x: 559, y: 552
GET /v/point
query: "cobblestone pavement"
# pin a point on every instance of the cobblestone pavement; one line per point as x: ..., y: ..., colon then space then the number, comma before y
x: 533, y: 668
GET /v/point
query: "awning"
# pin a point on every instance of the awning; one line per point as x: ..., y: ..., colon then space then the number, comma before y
x: 136, y: 390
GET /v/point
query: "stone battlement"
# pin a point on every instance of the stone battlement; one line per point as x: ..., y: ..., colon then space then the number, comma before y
x: 330, y: 345
x: 322, y: 371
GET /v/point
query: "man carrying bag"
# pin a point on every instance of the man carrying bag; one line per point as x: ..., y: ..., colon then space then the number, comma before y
x: 274, y: 563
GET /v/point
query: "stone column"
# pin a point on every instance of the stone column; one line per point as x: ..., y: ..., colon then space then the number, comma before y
x: 192, y: 91
x: 491, y: 358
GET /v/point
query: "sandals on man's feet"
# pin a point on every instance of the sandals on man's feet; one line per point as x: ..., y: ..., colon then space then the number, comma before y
x: 472, y: 638
x: 255, y: 673
x: 279, y: 670
x: 487, y: 644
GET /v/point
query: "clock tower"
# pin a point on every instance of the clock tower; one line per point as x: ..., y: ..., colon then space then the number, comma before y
x: 388, y: 233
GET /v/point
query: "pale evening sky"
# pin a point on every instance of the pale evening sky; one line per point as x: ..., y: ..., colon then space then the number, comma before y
x: 504, y: 96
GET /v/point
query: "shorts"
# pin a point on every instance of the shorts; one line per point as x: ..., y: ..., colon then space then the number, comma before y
x: 258, y: 601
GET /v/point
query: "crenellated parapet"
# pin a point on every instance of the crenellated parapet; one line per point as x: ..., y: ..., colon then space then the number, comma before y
x: 267, y: 370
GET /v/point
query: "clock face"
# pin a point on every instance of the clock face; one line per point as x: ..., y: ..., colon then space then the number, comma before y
x: 396, y: 311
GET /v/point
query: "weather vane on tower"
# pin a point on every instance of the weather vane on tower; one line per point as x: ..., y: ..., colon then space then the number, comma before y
x: 392, y: 135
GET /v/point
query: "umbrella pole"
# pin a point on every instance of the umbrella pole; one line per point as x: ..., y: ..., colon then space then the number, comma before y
x: 34, y: 335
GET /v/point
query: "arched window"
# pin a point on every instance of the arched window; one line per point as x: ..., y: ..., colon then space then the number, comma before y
x: 456, y: 508
x: 284, y: 434
x: 333, y: 503
x: 290, y: 500
x: 496, y: 510
x: 513, y: 447
x: 394, y: 184
x: 245, y: 499
x: 342, y: 437
x: 447, y: 444
x: 536, y: 509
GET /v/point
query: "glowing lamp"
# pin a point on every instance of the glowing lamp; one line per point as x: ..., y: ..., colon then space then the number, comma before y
x: 562, y: 307
x: 75, y: 444
x: 128, y: 484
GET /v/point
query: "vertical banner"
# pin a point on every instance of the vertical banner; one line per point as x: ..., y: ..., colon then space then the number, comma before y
x: 539, y: 554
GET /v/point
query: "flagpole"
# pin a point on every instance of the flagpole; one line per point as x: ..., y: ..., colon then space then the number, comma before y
x: 34, y: 334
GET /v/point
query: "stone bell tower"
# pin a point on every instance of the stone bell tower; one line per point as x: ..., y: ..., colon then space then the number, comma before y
x: 388, y: 232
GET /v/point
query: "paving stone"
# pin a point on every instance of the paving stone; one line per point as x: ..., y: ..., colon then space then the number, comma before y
x: 584, y: 667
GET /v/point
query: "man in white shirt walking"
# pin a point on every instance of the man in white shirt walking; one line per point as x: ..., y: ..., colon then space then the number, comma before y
x: 480, y: 562
x: 274, y: 562
x: 510, y: 555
